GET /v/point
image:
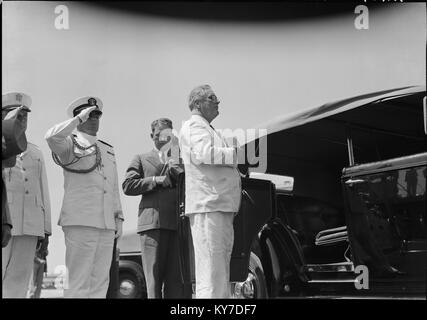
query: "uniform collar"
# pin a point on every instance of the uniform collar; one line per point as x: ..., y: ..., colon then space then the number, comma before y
x: 85, y: 139
x: 23, y: 153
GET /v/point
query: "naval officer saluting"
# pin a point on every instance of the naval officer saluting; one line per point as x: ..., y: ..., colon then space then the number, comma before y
x: 91, y: 215
x: 28, y: 203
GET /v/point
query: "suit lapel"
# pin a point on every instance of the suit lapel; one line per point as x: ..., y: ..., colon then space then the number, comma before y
x: 153, y: 159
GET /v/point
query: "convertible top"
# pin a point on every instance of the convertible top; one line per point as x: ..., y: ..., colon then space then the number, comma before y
x: 311, y: 145
x: 340, y: 106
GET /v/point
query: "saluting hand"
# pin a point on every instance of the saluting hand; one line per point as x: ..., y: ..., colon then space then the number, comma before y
x: 14, y: 113
x: 19, y: 114
x: 84, y: 115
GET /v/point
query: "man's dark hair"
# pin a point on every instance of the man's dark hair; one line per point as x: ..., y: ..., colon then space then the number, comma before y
x: 164, y: 122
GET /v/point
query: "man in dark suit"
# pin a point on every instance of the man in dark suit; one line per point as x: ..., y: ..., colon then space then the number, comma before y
x: 14, y: 142
x: 153, y: 176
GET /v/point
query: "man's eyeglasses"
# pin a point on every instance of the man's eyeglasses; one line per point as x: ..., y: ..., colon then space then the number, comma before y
x: 213, y: 98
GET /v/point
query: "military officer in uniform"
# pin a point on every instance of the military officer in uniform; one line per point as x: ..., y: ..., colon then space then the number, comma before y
x: 91, y: 215
x: 13, y: 142
x: 29, y: 206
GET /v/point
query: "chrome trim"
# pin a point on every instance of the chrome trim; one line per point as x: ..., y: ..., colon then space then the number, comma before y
x: 331, y: 267
x: 133, y: 253
x: 354, y: 181
x: 333, y: 281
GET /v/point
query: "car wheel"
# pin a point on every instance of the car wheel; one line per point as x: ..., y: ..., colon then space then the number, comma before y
x: 255, y: 285
x: 130, y: 287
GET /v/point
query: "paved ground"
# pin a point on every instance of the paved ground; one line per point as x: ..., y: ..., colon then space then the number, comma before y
x: 52, y: 293
x: 58, y: 293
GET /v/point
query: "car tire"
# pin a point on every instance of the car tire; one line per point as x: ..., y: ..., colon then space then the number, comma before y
x: 255, y: 269
x: 131, y: 286
x: 255, y: 286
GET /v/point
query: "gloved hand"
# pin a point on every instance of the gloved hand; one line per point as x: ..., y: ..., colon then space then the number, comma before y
x: 19, y: 114
x: 15, y: 112
x: 84, y: 114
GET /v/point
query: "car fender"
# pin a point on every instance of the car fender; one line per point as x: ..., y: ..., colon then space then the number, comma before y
x: 280, y: 254
x: 131, y: 266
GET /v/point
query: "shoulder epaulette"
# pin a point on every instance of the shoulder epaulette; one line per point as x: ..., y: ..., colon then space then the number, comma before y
x: 105, y: 143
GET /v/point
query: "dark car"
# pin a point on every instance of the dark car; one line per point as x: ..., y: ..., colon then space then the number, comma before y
x: 131, y: 274
x: 354, y: 221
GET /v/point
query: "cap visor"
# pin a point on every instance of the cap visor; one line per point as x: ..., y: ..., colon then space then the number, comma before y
x: 10, y: 108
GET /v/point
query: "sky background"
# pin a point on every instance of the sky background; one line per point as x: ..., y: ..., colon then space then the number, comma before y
x: 144, y: 66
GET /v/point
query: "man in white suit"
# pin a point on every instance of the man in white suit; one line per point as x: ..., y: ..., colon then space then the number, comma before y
x: 212, y: 193
x: 29, y: 205
x: 91, y: 214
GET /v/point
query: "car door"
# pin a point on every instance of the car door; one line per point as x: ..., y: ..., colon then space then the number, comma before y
x: 386, y: 218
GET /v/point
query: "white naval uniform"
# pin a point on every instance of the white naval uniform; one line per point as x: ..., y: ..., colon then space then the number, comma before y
x: 212, y: 198
x: 90, y: 206
x: 29, y: 205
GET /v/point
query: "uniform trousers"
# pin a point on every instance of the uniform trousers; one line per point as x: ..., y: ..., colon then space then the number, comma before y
x: 160, y: 261
x: 17, y: 265
x: 88, y: 257
x: 213, y: 237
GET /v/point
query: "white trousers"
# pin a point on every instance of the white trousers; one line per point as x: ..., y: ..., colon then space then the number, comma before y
x: 88, y: 259
x: 213, y: 237
x: 17, y: 265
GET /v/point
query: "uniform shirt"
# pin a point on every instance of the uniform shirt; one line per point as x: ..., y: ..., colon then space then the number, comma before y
x: 90, y: 199
x: 28, y: 194
x: 212, y: 180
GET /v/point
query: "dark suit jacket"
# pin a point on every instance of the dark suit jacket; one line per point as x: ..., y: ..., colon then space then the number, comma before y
x: 157, y: 209
x: 13, y: 142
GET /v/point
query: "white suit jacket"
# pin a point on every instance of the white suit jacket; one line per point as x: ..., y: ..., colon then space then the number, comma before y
x: 212, y: 180
x: 90, y: 199
x: 28, y: 194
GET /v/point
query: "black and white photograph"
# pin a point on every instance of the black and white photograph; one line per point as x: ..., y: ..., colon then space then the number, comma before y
x: 200, y: 150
